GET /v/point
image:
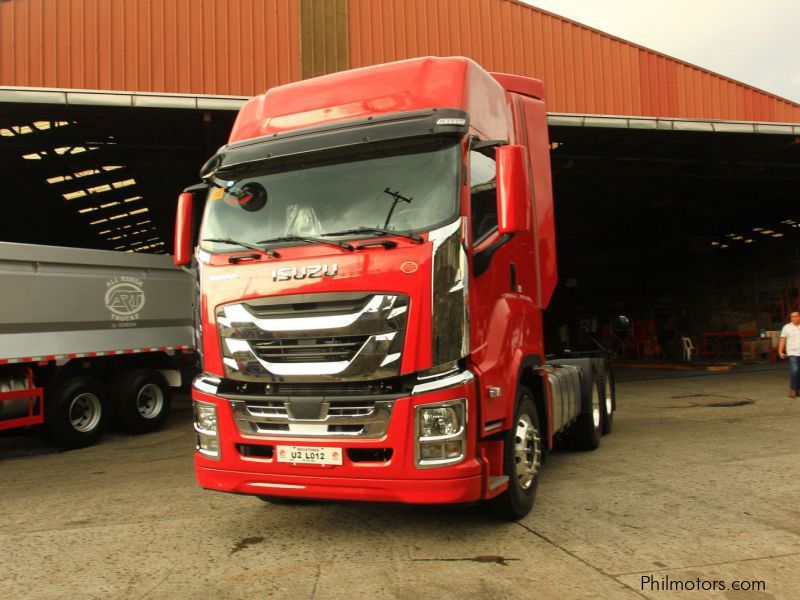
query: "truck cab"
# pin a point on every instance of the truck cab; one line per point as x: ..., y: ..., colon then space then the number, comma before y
x: 374, y: 254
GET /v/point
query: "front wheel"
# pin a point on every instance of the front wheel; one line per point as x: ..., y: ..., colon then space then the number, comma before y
x: 522, y: 459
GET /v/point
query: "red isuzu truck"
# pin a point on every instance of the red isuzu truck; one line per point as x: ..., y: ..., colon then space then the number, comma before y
x: 375, y: 252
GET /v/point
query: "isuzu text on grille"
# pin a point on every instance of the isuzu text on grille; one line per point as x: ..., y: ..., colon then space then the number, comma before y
x: 310, y: 272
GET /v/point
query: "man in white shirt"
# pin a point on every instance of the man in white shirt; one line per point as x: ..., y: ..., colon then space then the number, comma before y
x: 790, y: 346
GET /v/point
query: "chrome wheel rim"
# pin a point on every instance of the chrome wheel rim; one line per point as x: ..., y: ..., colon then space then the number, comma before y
x: 609, y: 399
x: 596, y: 406
x: 84, y: 412
x: 150, y: 401
x: 527, y: 451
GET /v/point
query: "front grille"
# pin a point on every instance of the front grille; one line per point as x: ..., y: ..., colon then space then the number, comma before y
x: 314, y: 338
x: 255, y: 451
x: 369, y: 454
x: 354, y: 388
x: 267, y: 409
x: 309, y: 350
x: 344, y: 418
x: 279, y: 408
x: 395, y: 386
x: 307, y: 305
x: 362, y: 410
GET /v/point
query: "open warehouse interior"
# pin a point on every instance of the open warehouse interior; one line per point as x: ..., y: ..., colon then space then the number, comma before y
x: 685, y: 231
x: 101, y: 177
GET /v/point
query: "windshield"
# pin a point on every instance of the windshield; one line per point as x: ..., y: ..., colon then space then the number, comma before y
x: 400, y: 190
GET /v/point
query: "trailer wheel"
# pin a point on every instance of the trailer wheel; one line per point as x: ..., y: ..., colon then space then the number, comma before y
x: 522, y: 459
x: 588, y: 426
x: 607, y: 399
x: 76, y: 412
x: 141, y: 399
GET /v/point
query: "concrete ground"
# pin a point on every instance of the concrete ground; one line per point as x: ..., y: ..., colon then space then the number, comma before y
x: 696, y: 486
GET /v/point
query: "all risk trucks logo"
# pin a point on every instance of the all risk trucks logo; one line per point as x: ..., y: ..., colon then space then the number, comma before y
x: 125, y: 299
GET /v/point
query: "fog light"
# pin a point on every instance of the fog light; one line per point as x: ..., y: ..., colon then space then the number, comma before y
x: 453, y: 449
x: 208, y: 444
x: 444, y: 420
x: 431, y: 451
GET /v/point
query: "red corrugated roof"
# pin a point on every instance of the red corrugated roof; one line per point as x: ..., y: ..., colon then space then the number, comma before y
x: 242, y: 47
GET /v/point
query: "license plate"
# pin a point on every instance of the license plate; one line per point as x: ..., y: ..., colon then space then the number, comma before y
x: 309, y: 455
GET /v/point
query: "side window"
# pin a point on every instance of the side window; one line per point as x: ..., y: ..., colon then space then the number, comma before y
x: 483, y: 192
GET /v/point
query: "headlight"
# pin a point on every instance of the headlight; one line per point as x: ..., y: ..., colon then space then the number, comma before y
x: 205, y: 424
x: 439, y: 421
x: 205, y: 416
x: 440, y: 431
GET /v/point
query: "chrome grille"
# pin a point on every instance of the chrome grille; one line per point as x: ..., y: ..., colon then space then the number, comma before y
x: 267, y: 409
x: 309, y: 350
x: 314, y: 338
x: 347, y: 418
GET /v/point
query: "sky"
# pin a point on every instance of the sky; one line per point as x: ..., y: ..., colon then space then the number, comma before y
x: 753, y: 41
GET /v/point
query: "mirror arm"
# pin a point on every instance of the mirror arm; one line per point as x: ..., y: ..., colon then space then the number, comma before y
x: 197, y: 187
x: 477, y: 144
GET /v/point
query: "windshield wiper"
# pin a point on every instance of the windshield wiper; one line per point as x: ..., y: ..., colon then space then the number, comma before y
x: 267, y: 251
x: 378, y: 231
x: 307, y: 239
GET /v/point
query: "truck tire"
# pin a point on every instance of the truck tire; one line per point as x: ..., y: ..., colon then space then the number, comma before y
x: 522, y: 459
x: 588, y: 426
x: 141, y: 400
x: 607, y: 398
x: 76, y: 412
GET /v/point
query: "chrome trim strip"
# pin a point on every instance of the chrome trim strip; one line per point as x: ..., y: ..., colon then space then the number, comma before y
x: 237, y: 313
x: 287, y: 486
x: 449, y: 293
x: 371, y: 346
x: 208, y: 384
x: 445, y: 382
x: 491, y: 426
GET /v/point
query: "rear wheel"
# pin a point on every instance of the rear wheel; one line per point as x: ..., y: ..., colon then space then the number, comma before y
x: 522, y: 459
x: 141, y: 400
x: 76, y: 413
x: 588, y: 427
x: 607, y: 399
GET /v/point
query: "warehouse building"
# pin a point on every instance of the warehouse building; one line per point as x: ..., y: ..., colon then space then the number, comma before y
x: 676, y: 188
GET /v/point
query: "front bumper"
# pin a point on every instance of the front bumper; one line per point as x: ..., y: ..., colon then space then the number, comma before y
x: 412, y: 491
x: 396, y: 479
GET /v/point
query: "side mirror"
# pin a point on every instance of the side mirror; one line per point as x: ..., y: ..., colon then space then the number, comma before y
x: 183, y: 229
x: 513, y: 190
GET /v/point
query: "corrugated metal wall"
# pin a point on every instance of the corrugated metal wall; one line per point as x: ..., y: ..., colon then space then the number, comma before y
x: 238, y: 47
x: 324, y: 29
x: 584, y: 70
x: 242, y: 47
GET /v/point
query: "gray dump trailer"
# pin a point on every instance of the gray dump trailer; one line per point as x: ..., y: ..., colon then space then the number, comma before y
x: 90, y: 336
